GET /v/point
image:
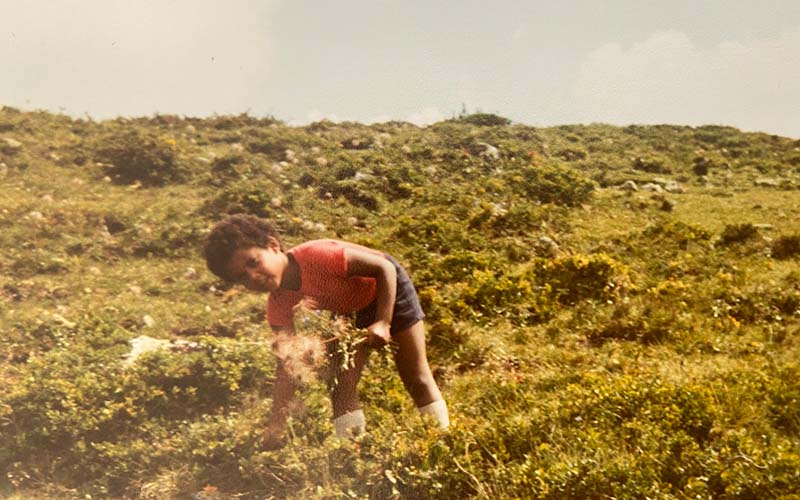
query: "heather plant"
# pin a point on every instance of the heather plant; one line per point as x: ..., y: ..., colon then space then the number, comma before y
x: 136, y: 155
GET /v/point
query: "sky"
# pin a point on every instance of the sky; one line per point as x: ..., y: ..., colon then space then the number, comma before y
x: 541, y: 63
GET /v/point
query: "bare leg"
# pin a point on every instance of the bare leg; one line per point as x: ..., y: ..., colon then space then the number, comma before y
x: 344, y: 386
x: 412, y: 364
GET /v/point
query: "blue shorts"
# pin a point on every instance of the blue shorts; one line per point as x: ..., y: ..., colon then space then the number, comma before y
x: 407, y: 310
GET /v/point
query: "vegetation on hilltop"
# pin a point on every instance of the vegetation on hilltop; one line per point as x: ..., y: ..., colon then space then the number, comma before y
x: 612, y: 311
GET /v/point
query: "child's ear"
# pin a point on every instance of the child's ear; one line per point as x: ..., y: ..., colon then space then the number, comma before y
x: 273, y: 244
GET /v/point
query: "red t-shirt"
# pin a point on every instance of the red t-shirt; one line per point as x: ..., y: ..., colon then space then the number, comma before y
x: 324, y: 281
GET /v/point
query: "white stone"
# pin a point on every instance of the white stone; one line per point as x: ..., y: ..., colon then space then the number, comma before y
x: 490, y: 151
x: 143, y: 344
x: 148, y: 320
x: 237, y: 147
x: 12, y: 143
x: 190, y: 274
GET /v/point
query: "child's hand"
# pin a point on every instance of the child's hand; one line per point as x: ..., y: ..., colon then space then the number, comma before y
x: 378, y: 334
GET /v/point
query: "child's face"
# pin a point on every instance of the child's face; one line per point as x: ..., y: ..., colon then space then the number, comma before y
x: 258, y: 268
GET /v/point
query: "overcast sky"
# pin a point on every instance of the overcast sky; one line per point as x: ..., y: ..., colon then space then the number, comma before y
x: 691, y: 62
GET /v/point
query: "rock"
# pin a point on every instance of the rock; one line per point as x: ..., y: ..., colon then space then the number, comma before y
x: 318, y: 226
x: 143, y: 344
x: 549, y: 246
x: 64, y: 321
x: 190, y: 129
x: 237, y: 147
x: 148, y: 320
x: 47, y: 198
x: 203, y: 159
x: 405, y: 148
x: 490, y: 152
x: 11, y: 145
x: 352, y: 221
x: 652, y: 186
x: 767, y: 182
x: 629, y: 186
x: 667, y: 205
x: 275, y: 203
x: 35, y: 215
x: 498, y: 209
x: 136, y: 290
x: 321, y: 161
x: 290, y: 155
x: 315, y: 150
x: 191, y: 274
x: 668, y: 185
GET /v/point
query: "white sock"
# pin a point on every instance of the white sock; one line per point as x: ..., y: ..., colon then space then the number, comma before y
x: 349, y: 424
x: 437, y: 410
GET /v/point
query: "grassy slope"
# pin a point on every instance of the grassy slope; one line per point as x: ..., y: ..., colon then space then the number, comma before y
x: 681, y: 381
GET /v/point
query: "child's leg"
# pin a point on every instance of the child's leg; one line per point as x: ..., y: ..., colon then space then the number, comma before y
x: 347, y: 414
x: 415, y: 372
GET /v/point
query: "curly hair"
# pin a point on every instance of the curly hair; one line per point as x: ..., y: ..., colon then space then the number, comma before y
x: 234, y: 233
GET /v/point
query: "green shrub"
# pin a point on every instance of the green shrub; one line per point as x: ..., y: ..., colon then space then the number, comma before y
x: 554, y: 184
x: 784, y: 407
x: 253, y: 197
x: 737, y: 233
x: 786, y: 247
x: 650, y: 165
x: 577, y: 277
x: 484, y: 120
x: 79, y: 418
x: 143, y: 156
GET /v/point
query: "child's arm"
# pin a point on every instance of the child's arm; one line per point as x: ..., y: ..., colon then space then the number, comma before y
x: 283, y: 391
x: 360, y: 263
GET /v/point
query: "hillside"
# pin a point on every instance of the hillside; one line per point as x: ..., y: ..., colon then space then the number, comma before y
x: 611, y: 311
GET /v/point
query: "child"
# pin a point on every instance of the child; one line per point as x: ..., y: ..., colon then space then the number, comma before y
x: 337, y: 276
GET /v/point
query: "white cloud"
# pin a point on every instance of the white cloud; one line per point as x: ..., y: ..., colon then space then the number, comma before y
x: 118, y: 57
x: 667, y: 79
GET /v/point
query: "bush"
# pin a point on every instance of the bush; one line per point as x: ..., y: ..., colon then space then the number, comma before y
x: 484, y: 120
x: 650, y: 165
x: 141, y: 156
x: 578, y: 277
x: 79, y: 418
x: 786, y: 247
x: 554, y: 184
x: 737, y: 233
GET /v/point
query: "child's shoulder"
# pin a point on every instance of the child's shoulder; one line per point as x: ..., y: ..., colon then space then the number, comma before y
x: 327, y: 245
